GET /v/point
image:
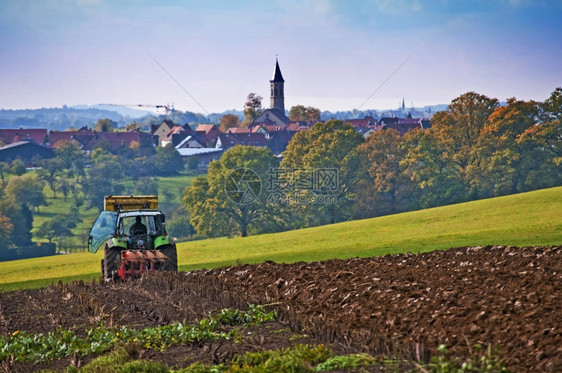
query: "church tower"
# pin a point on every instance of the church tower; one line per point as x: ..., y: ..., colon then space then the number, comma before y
x: 277, y: 94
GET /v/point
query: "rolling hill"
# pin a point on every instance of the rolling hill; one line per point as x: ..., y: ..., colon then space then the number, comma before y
x: 526, y: 219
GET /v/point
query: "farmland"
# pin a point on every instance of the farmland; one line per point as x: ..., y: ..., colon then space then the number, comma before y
x: 525, y: 219
x: 392, y: 311
x: 383, y: 294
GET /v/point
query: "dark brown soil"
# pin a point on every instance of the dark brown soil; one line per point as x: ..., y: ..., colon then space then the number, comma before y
x: 405, y: 305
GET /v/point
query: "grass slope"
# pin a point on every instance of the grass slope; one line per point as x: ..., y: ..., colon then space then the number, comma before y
x: 523, y: 219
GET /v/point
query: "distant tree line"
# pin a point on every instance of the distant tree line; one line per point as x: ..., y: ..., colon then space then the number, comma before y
x: 475, y: 149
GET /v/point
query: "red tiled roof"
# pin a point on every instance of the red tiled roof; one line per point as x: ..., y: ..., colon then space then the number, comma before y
x: 298, y: 126
x: 367, y: 121
x: 206, y: 127
x: 238, y: 130
x: 22, y: 134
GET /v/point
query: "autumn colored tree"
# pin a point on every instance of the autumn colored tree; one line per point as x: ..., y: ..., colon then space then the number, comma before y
x: 543, y: 145
x: 382, y: 154
x: 228, y: 121
x: 252, y: 109
x: 551, y: 108
x: 304, y: 113
x: 457, y: 132
x: 105, y: 125
x: 502, y: 163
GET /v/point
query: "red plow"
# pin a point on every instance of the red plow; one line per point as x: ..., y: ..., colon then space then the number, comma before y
x: 136, y: 262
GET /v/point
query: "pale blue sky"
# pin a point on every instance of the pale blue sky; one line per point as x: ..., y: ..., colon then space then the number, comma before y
x: 333, y: 54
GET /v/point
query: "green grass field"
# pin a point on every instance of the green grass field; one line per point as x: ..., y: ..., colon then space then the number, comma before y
x: 524, y: 219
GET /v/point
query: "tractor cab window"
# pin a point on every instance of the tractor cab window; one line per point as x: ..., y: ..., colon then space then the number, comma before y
x: 129, y: 226
x: 103, y: 229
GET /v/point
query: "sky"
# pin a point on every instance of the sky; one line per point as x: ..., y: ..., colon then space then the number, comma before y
x: 207, y: 56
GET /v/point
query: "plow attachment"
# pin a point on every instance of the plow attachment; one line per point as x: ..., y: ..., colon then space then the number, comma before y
x: 136, y: 262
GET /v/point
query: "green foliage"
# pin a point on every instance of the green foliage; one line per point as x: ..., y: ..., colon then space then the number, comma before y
x: 392, y: 190
x: 20, y: 219
x: 21, y: 346
x: 299, y: 358
x: 179, y: 225
x: 105, y: 125
x: 18, y: 167
x: 27, y: 190
x: 168, y: 161
x: 481, y: 361
x: 332, y: 145
x: 233, y: 198
x: 5, y: 170
x: 346, y: 362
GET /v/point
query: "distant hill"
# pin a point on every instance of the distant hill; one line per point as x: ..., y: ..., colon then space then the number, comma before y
x: 75, y: 117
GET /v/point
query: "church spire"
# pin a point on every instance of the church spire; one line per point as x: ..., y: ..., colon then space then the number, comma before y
x: 276, y: 83
x: 277, y: 76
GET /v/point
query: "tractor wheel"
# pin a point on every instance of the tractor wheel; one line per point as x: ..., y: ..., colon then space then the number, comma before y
x: 111, y: 260
x: 171, y: 253
x: 102, y: 270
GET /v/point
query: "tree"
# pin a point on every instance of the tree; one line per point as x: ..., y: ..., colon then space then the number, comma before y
x: 18, y: 167
x: 501, y: 166
x: 457, y: 132
x: 133, y: 126
x: 232, y: 199
x: 21, y: 219
x: 6, y: 229
x: 326, y: 148
x: 168, y: 161
x: 543, y: 151
x: 432, y: 174
x: 179, y: 225
x: 382, y: 154
x: 51, y: 169
x: 4, y: 171
x: 551, y: 108
x: 302, y: 113
x: 68, y: 153
x: 26, y: 190
x: 252, y: 109
x: 53, y: 228
x: 105, y: 125
x: 228, y: 121
x: 146, y: 186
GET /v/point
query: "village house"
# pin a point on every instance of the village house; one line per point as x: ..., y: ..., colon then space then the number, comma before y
x: 9, y: 136
x: 208, y: 134
x: 28, y: 151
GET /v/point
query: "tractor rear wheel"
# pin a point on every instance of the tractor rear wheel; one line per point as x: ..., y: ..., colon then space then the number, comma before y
x: 171, y: 253
x: 111, y: 261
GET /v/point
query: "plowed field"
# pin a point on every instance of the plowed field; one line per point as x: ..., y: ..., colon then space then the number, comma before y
x: 403, y: 305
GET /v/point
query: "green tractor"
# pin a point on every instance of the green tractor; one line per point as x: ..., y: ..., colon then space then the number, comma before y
x: 133, y: 233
